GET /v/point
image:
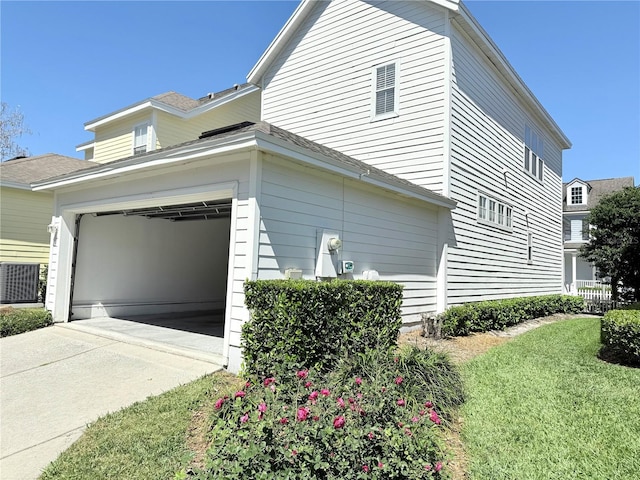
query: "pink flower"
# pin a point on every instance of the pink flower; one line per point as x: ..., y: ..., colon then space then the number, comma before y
x: 284, y: 420
x: 262, y: 407
x: 383, y: 389
x: 351, y: 400
x: 358, y: 381
x: 313, y: 396
x: 438, y: 466
x: 428, y: 404
x: 338, y: 422
x: 269, y: 381
x: 359, y: 395
x: 303, y: 413
x: 400, y: 424
x: 240, y: 394
x: 415, y: 419
x: 380, y: 465
x: 427, y: 467
x: 395, y: 359
x: 401, y: 402
x: 371, y: 436
x: 219, y: 402
x: 399, y: 380
x: 340, y: 402
x: 408, y: 432
x: 316, y: 418
x: 294, y: 452
x: 422, y: 412
x: 308, y: 384
x: 365, y: 468
x: 247, y: 385
x: 302, y: 374
x: 325, y: 392
x: 244, y: 418
x: 433, y: 416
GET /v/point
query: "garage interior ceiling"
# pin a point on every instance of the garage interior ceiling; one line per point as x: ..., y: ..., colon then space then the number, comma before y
x: 178, y: 213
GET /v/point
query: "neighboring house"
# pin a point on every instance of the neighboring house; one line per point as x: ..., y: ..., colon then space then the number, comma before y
x: 579, y: 197
x: 397, y: 127
x: 165, y: 120
x: 24, y: 215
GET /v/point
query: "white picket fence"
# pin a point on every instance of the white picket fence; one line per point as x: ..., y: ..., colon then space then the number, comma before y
x: 597, y: 296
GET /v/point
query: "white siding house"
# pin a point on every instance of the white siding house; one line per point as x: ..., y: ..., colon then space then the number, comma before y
x: 180, y: 230
x: 419, y: 90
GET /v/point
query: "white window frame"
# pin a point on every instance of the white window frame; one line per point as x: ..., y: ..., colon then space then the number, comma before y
x: 494, y: 212
x: 148, y: 137
x: 570, y: 194
x: 374, y: 92
x: 533, y: 158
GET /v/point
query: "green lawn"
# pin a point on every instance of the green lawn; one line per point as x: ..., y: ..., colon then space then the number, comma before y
x: 144, y: 441
x: 543, y: 406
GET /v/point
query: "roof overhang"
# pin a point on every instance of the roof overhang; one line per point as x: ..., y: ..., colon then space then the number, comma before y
x: 153, y: 104
x: 464, y: 19
x: 245, y: 141
x: 85, y: 146
x: 10, y: 184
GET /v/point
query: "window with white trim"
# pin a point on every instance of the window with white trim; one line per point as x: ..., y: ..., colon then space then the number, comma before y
x: 494, y: 212
x: 576, y: 195
x: 533, y: 153
x: 385, y: 91
x: 140, y: 138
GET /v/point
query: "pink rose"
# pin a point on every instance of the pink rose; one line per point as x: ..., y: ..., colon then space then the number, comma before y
x: 358, y: 381
x: 303, y: 413
x: 365, y: 468
x: 399, y: 380
x: 380, y: 465
x: 340, y: 402
x: 415, y: 419
x: 433, y: 416
x: 240, y: 394
x: 219, y: 402
x: 371, y: 436
x: 284, y: 420
x: 269, y: 381
x: 313, y: 396
x: 244, y: 418
x: 438, y: 467
x: 325, y: 392
x: 302, y: 373
x: 427, y: 467
x: 428, y: 404
x: 338, y: 422
x: 262, y: 407
x: 401, y: 402
x: 308, y: 384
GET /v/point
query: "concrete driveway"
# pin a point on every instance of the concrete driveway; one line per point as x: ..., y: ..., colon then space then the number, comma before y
x: 56, y: 380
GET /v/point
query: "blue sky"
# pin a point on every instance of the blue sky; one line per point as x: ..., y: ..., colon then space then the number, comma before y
x: 64, y: 63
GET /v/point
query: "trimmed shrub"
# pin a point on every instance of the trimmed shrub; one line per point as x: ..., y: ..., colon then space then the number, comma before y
x: 620, y: 336
x: 303, y: 323
x: 499, y: 314
x: 306, y: 426
x: 19, y: 320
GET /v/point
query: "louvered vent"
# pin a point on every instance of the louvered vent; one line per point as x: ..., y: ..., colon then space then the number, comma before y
x: 19, y: 282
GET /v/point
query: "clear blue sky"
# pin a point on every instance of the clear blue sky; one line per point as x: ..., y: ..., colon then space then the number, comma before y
x: 65, y: 63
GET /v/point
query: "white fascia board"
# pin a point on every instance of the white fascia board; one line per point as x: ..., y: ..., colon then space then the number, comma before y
x: 273, y: 145
x: 86, y: 146
x: 163, y: 107
x: 575, y: 212
x: 10, y: 184
x: 150, y: 162
x: 280, y: 40
x: 496, y: 57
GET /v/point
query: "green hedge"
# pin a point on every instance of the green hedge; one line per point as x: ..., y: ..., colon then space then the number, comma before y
x: 19, y: 320
x: 620, y: 335
x: 499, y: 314
x: 304, y: 323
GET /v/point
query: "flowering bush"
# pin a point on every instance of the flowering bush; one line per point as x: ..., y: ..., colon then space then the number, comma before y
x: 308, y: 426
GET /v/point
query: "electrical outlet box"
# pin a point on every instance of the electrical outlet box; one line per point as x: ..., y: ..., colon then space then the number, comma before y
x: 346, y: 266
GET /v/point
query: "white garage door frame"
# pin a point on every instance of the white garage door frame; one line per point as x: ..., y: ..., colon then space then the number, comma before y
x: 62, y: 248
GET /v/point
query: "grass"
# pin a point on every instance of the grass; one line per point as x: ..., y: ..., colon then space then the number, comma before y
x: 149, y: 439
x: 543, y: 406
x: 19, y: 320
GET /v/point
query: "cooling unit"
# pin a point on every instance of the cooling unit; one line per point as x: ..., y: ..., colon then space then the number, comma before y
x: 19, y: 282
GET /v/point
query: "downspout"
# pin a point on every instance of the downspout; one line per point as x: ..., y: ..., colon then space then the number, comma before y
x: 74, y: 260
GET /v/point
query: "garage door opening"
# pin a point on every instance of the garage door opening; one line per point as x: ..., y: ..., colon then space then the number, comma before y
x: 159, y: 271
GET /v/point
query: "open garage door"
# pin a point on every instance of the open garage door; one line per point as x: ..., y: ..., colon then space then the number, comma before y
x: 164, y: 265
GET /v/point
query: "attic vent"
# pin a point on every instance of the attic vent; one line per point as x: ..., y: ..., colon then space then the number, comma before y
x: 19, y: 282
x: 228, y: 128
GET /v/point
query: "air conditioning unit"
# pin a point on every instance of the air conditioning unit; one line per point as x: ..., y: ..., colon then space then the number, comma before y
x: 19, y: 282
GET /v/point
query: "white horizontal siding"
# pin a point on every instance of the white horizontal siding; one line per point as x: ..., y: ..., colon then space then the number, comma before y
x: 487, y: 130
x: 320, y: 86
x: 380, y: 231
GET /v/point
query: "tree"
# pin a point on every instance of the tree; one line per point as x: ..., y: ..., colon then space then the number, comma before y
x: 614, y: 247
x: 12, y: 127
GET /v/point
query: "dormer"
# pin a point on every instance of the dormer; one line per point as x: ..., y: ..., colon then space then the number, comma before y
x: 577, y: 192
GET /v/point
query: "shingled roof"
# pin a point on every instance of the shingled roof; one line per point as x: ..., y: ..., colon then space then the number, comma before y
x: 596, y: 190
x: 25, y: 171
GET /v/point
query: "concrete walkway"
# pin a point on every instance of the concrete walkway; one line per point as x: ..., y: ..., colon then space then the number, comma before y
x: 55, y: 381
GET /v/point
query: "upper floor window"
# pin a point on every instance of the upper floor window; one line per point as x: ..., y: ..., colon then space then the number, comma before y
x: 385, y: 91
x: 140, y: 136
x: 576, y: 195
x: 494, y: 212
x: 533, y: 153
